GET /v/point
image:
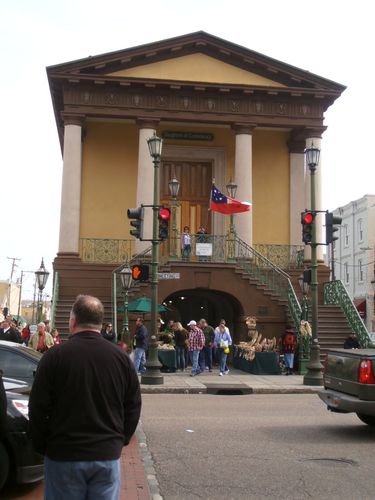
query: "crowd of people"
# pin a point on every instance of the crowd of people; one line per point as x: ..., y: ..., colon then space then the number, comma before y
x: 41, y: 340
x: 199, y: 345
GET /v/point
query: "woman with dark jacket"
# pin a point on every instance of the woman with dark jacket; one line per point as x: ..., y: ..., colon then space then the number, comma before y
x: 180, y: 337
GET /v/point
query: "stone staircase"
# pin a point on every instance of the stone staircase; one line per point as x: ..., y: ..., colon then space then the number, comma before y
x: 333, y: 328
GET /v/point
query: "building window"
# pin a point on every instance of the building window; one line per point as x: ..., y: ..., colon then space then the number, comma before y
x: 360, y: 271
x: 346, y: 272
x: 360, y: 230
x: 346, y: 236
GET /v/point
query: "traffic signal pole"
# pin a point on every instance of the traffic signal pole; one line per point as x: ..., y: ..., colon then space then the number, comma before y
x: 314, y: 375
x: 153, y: 375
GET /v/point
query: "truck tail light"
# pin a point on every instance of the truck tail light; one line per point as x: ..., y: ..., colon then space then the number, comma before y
x: 366, y: 374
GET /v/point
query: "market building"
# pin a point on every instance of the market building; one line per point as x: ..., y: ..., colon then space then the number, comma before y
x: 225, y: 113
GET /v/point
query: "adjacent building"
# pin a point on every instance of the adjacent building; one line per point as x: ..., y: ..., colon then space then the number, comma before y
x: 353, y: 254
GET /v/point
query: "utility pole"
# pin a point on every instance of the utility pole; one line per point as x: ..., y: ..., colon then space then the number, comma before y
x: 14, y: 265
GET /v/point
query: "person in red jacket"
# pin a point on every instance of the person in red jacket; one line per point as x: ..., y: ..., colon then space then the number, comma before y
x: 289, y: 345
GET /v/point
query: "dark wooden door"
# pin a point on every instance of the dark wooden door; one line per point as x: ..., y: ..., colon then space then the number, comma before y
x: 194, y: 196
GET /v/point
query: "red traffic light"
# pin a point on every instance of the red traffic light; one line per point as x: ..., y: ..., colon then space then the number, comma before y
x: 307, y: 218
x: 164, y: 213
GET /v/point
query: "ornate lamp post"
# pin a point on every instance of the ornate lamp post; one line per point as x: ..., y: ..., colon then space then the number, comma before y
x: 41, y: 276
x: 153, y: 375
x: 231, y: 190
x: 126, y: 281
x: 314, y: 375
x: 174, y: 187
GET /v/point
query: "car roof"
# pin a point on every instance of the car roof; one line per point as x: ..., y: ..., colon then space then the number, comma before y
x: 4, y: 344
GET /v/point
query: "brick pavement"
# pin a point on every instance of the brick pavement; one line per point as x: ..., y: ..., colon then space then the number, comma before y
x: 134, y: 485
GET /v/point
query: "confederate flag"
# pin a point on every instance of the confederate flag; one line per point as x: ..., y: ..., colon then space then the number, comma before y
x: 225, y: 204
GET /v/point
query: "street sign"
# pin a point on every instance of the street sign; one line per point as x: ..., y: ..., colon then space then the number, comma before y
x: 168, y: 276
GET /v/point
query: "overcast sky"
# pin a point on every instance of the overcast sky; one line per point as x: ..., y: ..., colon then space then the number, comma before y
x: 332, y: 38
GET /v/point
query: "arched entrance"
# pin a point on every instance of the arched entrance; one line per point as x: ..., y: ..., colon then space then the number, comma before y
x: 213, y: 305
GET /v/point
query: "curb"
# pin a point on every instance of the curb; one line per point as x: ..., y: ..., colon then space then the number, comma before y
x: 235, y: 389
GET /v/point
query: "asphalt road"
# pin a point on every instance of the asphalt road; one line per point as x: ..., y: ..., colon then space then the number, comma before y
x: 257, y: 447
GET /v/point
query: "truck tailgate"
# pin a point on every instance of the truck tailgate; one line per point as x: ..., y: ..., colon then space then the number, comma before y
x: 342, y: 369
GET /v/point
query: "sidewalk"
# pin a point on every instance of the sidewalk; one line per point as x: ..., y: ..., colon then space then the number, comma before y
x: 236, y: 382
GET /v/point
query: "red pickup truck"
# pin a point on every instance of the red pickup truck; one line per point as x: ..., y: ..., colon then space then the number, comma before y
x: 349, y: 383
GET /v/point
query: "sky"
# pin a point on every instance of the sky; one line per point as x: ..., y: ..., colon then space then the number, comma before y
x: 331, y: 38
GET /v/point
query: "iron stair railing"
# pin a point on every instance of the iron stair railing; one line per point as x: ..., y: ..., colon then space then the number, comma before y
x: 268, y: 274
x: 335, y: 293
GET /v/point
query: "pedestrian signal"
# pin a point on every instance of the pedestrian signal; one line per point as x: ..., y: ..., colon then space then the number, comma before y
x: 331, y: 222
x: 164, y: 216
x: 307, y: 221
x: 140, y: 272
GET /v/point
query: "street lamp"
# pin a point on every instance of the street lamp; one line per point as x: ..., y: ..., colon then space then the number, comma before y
x: 314, y: 375
x: 153, y: 375
x: 231, y: 190
x: 41, y: 276
x: 126, y: 281
x: 174, y: 187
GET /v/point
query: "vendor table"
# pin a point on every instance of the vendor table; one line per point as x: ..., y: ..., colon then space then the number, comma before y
x: 264, y: 363
x: 167, y: 358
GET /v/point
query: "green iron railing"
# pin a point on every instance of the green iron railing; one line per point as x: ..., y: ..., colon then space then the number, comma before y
x: 335, y: 293
x: 283, y: 256
x: 222, y: 249
x: 106, y: 251
x: 271, y: 276
x: 55, y: 298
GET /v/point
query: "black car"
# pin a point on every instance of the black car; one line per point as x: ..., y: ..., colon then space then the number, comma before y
x: 18, y: 361
x: 19, y: 463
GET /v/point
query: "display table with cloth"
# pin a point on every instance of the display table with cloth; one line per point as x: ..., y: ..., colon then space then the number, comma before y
x: 167, y: 358
x: 264, y: 363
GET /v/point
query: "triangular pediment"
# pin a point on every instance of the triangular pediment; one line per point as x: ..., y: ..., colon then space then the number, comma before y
x: 196, y: 67
x: 213, y: 60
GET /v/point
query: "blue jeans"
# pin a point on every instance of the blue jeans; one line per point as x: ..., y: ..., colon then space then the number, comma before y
x: 205, y: 356
x: 89, y: 480
x: 139, y: 359
x: 180, y: 357
x: 289, y: 359
x: 194, y: 360
x: 223, y: 360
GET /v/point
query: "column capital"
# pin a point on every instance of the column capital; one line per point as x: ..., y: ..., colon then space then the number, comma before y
x: 243, y: 128
x: 73, y: 119
x: 151, y: 123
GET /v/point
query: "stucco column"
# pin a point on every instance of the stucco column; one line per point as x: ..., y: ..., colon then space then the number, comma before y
x: 71, y: 186
x: 297, y: 190
x: 145, y: 179
x: 243, y: 176
x: 316, y: 140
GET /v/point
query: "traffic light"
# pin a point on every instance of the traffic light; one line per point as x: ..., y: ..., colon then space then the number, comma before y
x: 137, y: 214
x: 331, y: 222
x: 140, y: 272
x: 307, y: 220
x: 164, y: 216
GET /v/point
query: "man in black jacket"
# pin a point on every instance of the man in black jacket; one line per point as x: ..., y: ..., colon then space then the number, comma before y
x: 84, y: 407
x: 9, y: 333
